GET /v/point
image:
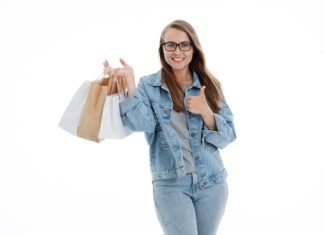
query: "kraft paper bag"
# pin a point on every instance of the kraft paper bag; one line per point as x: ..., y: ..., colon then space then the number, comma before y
x: 90, y: 120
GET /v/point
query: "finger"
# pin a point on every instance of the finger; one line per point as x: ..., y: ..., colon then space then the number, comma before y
x: 123, y: 62
x: 189, y: 102
x: 107, y: 69
x: 105, y: 64
x: 190, y: 99
x: 189, y: 107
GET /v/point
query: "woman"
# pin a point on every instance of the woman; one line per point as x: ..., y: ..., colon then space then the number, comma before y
x: 186, y: 121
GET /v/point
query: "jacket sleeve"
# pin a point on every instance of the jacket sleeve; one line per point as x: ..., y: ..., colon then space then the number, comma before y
x: 225, y: 133
x: 136, y: 111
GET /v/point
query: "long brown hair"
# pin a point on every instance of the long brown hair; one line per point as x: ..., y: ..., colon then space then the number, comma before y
x: 213, y: 89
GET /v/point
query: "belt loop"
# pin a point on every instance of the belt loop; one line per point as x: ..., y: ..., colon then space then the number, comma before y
x: 194, y: 178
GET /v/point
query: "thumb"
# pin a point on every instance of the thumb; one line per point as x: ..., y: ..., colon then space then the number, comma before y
x: 202, y: 91
x: 123, y: 62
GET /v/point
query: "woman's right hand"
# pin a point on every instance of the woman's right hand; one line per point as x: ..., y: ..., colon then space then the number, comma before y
x: 125, y: 74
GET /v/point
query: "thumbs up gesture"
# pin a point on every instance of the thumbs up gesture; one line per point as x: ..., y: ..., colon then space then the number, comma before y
x: 198, y: 104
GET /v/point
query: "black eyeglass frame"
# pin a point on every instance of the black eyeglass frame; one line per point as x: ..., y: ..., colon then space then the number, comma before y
x: 177, y: 45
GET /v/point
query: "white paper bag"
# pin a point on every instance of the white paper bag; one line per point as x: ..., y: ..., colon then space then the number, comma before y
x: 71, y: 116
x: 111, y: 123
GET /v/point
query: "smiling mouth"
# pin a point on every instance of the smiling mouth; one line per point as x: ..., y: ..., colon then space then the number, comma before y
x: 177, y: 59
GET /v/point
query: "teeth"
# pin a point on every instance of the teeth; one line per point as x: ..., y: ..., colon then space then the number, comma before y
x: 177, y: 59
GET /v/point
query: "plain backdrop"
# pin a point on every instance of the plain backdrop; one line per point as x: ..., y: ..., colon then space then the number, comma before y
x: 269, y: 57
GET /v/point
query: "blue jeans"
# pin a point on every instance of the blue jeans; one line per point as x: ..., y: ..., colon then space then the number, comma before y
x: 185, y: 209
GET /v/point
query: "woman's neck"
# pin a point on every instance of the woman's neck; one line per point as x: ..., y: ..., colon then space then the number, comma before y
x: 183, y: 77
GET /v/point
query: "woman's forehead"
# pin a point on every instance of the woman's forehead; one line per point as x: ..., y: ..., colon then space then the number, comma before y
x: 175, y: 35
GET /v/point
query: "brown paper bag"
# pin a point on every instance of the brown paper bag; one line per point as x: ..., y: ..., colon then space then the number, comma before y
x: 90, y: 120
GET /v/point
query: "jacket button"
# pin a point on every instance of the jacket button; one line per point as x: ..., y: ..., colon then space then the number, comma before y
x: 197, y: 158
x: 193, y: 134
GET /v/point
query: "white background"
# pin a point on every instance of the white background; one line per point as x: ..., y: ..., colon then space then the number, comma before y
x: 269, y: 56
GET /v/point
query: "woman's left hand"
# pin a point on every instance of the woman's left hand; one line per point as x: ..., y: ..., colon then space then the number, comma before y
x: 199, y: 105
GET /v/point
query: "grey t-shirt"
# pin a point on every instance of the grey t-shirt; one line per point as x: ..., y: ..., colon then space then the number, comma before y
x: 179, y: 124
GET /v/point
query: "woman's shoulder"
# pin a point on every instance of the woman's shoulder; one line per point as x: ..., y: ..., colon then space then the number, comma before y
x: 153, y: 79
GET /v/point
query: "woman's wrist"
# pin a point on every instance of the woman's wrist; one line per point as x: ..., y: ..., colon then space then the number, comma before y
x: 208, y: 118
x: 130, y: 88
x: 207, y: 113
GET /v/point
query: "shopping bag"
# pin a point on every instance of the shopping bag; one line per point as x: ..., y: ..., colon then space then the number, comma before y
x: 90, y: 120
x: 93, y: 113
x: 71, y: 116
x: 111, y: 123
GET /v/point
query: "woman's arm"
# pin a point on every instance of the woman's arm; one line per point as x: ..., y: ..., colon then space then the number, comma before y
x: 218, y: 129
x: 225, y: 131
x: 135, y: 110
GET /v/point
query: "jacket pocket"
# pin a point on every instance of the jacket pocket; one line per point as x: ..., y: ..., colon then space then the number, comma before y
x: 163, y: 112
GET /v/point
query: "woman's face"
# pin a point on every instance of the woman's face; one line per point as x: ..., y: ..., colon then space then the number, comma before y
x: 179, y: 60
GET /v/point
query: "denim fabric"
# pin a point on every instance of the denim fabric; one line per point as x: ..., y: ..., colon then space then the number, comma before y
x: 149, y: 110
x: 183, y: 208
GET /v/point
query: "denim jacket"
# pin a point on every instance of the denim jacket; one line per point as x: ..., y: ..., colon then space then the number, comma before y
x: 149, y: 110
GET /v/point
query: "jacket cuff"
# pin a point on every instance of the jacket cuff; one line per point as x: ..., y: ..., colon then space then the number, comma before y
x: 128, y: 103
x: 216, y: 138
x: 220, y: 124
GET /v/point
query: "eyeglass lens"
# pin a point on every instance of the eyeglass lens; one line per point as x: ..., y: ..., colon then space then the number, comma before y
x: 172, y: 46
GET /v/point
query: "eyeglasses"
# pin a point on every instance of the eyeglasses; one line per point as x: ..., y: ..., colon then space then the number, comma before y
x: 172, y: 46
